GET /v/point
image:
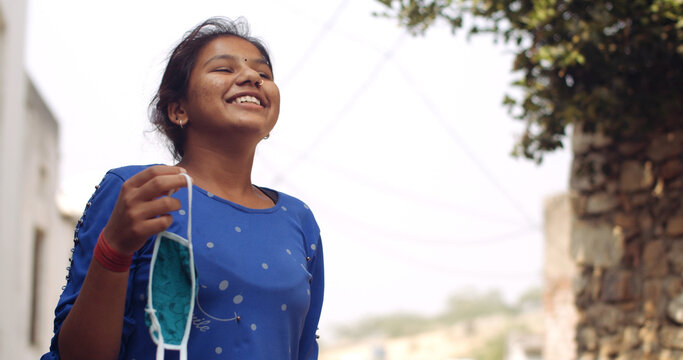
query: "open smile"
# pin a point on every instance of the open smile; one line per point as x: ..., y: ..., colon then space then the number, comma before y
x: 246, y: 98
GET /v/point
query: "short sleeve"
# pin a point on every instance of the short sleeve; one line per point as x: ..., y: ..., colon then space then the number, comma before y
x: 94, y: 218
x: 308, y: 345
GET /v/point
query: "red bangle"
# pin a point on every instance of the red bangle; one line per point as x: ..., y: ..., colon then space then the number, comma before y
x: 109, y: 258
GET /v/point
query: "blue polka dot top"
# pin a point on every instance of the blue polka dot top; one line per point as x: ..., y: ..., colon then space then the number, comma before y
x: 260, y: 276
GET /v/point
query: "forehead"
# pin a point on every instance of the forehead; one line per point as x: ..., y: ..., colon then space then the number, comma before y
x: 229, y: 45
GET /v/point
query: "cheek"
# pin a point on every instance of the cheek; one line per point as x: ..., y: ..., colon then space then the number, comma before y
x: 200, y: 93
x: 275, y: 98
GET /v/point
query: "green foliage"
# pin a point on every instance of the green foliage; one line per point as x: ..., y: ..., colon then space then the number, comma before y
x: 530, y: 299
x: 493, y: 349
x: 462, y: 306
x: 616, y: 65
x: 470, y: 304
x: 394, y: 325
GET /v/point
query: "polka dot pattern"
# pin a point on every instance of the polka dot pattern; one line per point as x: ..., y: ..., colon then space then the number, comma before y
x: 288, y: 224
x: 223, y: 285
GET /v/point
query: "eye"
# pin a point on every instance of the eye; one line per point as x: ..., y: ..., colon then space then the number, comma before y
x: 265, y: 76
x: 225, y: 69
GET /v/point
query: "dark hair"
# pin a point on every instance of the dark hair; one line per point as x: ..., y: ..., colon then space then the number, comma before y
x: 176, y: 77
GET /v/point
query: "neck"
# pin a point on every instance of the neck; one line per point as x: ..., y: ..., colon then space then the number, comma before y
x: 224, y: 172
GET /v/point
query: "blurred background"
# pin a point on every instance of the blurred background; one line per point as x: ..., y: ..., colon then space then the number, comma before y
x: 399, y: 144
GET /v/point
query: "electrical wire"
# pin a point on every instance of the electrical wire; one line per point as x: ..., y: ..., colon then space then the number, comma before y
x: 463, y: 146
x: 408, y: 196
x: 387, y: 250
x: 279, y: 178
x: 313, y: 46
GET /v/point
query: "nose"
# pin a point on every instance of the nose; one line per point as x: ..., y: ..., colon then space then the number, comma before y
x: 248, y: 75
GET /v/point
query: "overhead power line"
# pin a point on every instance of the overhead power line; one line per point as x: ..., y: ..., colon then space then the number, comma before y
x: 446, y: 124
x: 327, y: 26
x: 327, y: 130
x: 454, y: 240
x: 408, y: 195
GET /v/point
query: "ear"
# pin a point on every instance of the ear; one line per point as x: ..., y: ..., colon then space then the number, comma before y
x: 177, y: 114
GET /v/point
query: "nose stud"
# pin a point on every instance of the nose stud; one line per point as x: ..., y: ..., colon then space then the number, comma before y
x: 259, y: 83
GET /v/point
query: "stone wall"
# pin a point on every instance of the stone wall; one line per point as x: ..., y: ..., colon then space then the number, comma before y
x: 627, y: 239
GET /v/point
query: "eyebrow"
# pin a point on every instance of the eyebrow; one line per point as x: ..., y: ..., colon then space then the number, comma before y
x: 235, y: 58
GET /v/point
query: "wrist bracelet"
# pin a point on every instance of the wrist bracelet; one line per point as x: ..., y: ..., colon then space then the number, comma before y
x: 109, y: 258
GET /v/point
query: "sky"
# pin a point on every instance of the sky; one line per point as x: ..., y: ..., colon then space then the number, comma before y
x: 399, y: 144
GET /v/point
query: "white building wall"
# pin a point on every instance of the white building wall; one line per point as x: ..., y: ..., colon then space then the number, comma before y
x: 14, y: 248
x: 28, y: 174
x: 42, y: 215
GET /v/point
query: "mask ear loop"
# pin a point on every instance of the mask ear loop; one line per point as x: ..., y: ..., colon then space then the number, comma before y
x: 155, y: 323
x: 189, y: 208
x: 193, y: 275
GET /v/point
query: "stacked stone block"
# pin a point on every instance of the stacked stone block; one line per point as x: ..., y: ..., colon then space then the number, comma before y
x: 627, y: 240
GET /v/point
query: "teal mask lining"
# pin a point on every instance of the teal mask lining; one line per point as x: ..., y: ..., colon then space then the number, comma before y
x: 172, y: 288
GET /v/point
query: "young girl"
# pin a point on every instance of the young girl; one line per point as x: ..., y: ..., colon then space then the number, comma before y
x: 257, y: 251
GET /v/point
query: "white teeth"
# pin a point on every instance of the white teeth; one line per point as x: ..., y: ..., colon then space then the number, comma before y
x: 247, y: 99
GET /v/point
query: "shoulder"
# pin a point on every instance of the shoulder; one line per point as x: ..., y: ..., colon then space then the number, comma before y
x: 107, y: 191
x: 113, y: 180
x: 126, y: 172
x: 298, y: 209
x: 310, y: 230
x: 289, y: 201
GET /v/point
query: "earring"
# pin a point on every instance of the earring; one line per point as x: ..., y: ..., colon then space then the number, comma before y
x: 266, y: 137
x: 180, y: 122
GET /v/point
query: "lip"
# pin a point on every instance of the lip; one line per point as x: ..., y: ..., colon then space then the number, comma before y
x: 247, y: 93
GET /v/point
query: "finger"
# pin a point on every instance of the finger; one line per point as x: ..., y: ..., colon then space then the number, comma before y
x: 130, y: 241
x: 151, y: 172
x: 157, y: 207
x: 160, y: 186
x: 155, y: 225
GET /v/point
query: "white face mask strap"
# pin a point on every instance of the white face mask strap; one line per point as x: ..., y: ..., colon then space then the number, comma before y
x: 155, y: 322
x: 156, y: 327
x: 183, y: 348
x: 160, y: 349
x: 189, y: 207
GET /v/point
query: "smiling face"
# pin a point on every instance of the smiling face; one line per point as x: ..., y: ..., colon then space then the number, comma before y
x: 230, y: 92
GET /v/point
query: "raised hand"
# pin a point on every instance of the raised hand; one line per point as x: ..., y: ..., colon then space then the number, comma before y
x: 143, y: 206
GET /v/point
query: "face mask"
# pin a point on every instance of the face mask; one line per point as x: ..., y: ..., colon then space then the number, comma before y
x: 172, y: 288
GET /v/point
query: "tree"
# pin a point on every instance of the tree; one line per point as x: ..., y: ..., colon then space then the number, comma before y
x: 616, y: 66
x: 464, y: 305
x: 613, y: 69
x: 470, y: 304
